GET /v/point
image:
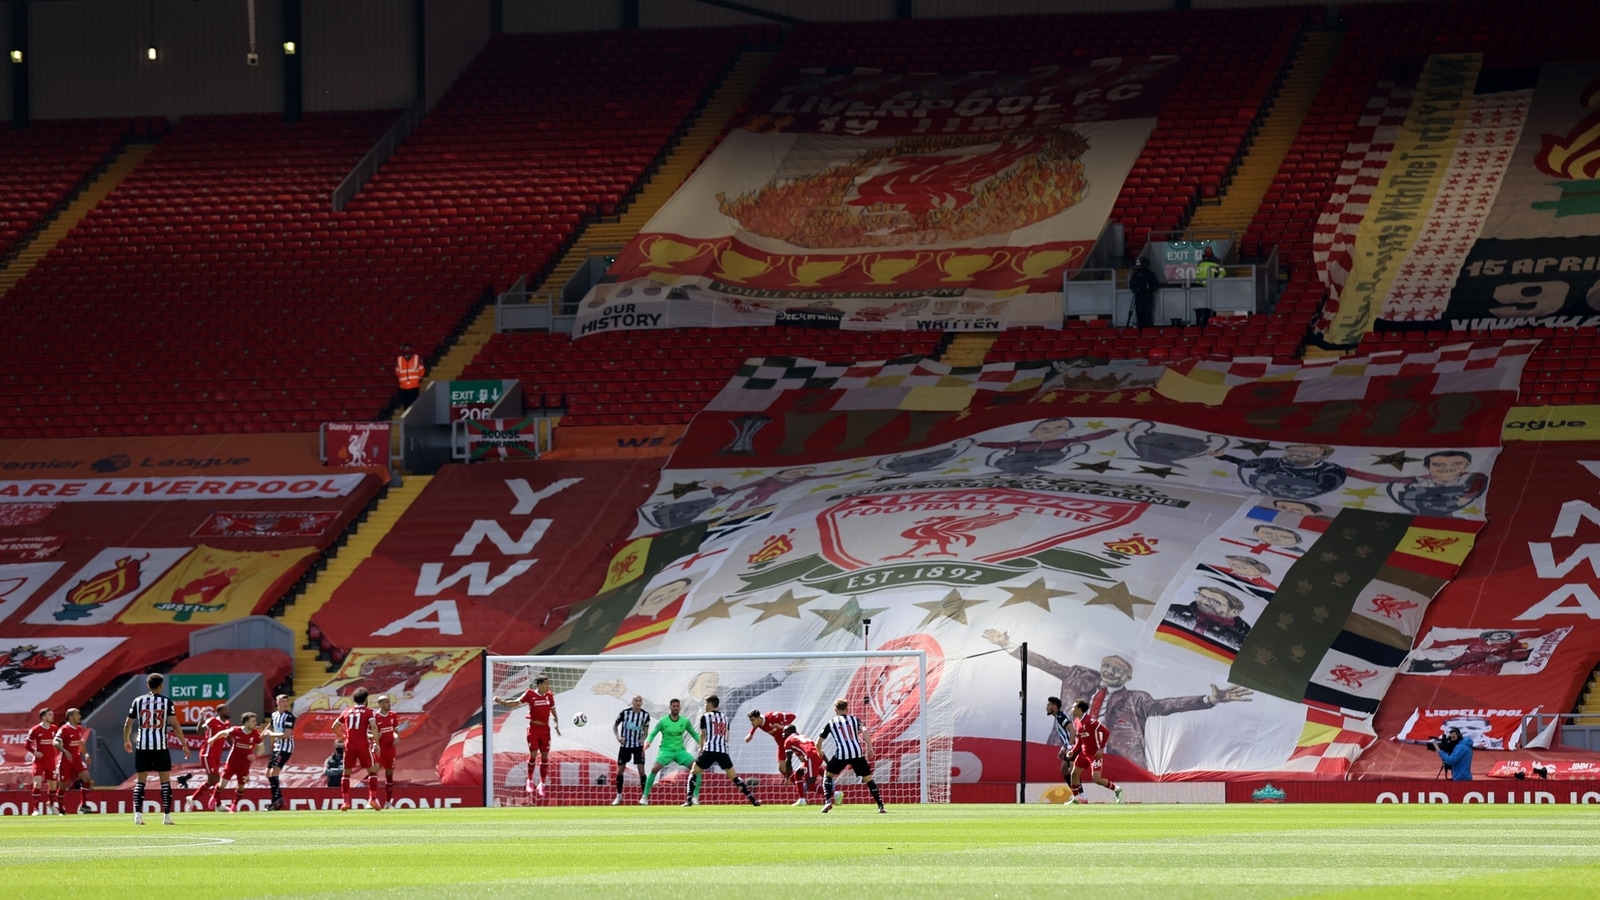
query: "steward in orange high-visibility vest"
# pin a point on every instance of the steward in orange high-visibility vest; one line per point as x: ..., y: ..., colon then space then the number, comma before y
x: 408, y: 371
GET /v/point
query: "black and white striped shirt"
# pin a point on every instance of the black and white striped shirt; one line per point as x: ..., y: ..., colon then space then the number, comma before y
x: 632, y: 725
x: 714, y: 732
x: 149, y: 714
x: 283, y: 722
x: 1062, y: 723
x: 846, y: 733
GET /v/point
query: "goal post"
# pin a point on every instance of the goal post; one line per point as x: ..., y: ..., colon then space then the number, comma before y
x: 893, y: 692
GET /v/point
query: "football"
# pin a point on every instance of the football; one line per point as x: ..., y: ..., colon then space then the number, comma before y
x: 580, y: 720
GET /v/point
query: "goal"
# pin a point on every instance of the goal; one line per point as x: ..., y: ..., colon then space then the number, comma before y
x: 893, y: 692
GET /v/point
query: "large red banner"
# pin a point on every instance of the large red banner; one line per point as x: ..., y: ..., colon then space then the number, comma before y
x: 486, y: 554
x: 1534, y: 572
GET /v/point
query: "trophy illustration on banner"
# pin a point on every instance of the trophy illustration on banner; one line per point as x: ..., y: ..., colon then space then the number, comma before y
x: 744, y: 441
x: 667, y: 516
x: 1168, y: 448
x: 923, y: 460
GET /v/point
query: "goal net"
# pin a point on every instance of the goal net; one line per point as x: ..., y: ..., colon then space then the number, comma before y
x: 889, y: 691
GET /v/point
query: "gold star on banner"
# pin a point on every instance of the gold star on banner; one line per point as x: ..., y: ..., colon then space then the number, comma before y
x: 786, y: 605
x: 953, y: 606
x: 961, y: 471
x: 1365, y: 493
x: 1035, y: 593
x: 717, y: 610
x: 681, y: 488
x: 1398, y: 459
x: 1221, y: 473
x: 846, y: 618
x: 747, y: 473
x: 1113, y: 397
x: 1095, y: 424
x: 823, y: 488
x: 1117, y: 595
x: 855, y: 476
x: 1048, y: 398
x: 1084, y: 397
x: 1143, y: 397
x: 1112, y: 452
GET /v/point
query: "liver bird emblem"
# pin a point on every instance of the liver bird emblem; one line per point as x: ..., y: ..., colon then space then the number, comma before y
x: 943, y: 531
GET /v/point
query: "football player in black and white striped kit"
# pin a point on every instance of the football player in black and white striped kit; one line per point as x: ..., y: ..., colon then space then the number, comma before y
x: 851, y: 745
x: 630, y: 728
x: 281, y: 729
x: 1061, y: 730
x: 144, y: 734
x: 714, y: 752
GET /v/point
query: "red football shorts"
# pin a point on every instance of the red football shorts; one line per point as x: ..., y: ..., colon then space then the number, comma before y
x: 1083, y: 761
x: 69, y: 769
x: 238, y: 767
x: 386, y: 757
x: 212, y: 763
x: 538, y: 740
x: 44, y: 766
x: 357, y: 756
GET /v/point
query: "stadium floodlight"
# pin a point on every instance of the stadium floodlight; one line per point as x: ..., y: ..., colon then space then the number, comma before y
x: 893, y: 692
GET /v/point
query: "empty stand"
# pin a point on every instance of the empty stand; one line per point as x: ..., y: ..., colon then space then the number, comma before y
x: 661, y: 377
x: 40, y: 167
x: 215, y: 291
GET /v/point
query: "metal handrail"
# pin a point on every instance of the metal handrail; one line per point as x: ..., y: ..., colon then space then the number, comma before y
x: 381, y: 150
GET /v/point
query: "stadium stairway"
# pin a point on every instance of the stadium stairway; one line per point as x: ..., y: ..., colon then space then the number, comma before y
x: 1265, y: 154
x: 310, y: 669
x: 58, y: 228
x: 967, y: 348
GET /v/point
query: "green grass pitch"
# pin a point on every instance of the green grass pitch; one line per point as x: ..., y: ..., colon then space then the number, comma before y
x: 1233, y: 852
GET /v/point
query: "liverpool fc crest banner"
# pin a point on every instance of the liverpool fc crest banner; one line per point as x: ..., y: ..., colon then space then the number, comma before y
x: 1229, y: 560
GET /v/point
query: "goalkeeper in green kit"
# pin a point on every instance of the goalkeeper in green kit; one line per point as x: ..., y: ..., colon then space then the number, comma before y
x: 672, y: 728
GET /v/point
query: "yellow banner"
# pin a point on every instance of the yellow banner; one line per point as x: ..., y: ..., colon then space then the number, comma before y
x: 1406, y: 191
x: 210, y: 586
x: 627, y: 564
x: 1552, y: 423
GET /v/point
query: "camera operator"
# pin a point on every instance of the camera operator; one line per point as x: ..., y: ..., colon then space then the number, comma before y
x: 1454, y: 753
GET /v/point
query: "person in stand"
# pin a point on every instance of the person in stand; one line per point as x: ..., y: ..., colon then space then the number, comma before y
x: 1208, y: 268
x: 333, y: 769
x: 408, y: 371
x: 1142, y: 281
x: 1455, y: 754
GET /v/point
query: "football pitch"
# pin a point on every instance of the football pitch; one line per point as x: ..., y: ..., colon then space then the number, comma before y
x: 1234, y: 852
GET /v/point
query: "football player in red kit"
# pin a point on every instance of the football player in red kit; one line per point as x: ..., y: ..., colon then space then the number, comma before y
x: 354, y: 728
x: 205, y: 796
x: 387, y: 724
x: 72, y: 765
x: 246, y: 742
x: 1088, y: 753
x: 807, y: 765
x: 541, y: 715
x: 41, y: 743
x: 772, y: 723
